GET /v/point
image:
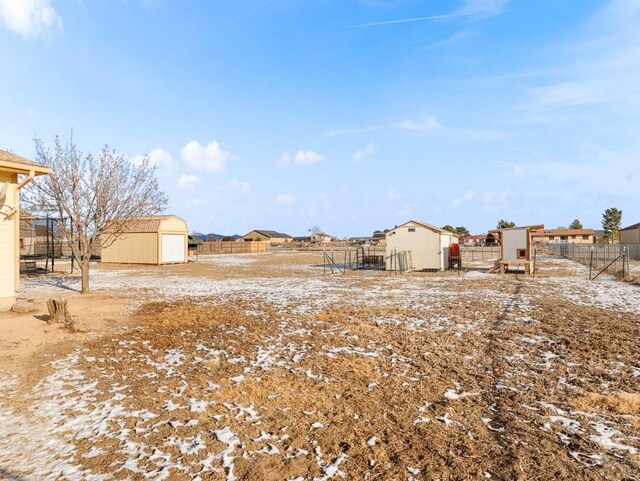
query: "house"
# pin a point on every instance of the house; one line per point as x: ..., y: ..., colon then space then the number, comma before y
x: 515, y: 247
x: 271, y: 236
x: 630, y: 235
x: 161, y: 239
x: 11, y: 168
x: 563, y: 236
x: 320, y: 237
x: 473, y: 240
x: 418, y: 246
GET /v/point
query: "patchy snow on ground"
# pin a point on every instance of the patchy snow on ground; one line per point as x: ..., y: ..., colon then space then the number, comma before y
x: 340, y: 376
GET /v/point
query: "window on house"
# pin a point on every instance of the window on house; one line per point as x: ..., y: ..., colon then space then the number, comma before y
x: 573, y: 237
x: 551, y: 237
x: 585, y: 237
x: 522, y: 253
x: 412, y: 229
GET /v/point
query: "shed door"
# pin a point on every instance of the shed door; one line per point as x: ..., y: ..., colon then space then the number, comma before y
x: 173, y: 248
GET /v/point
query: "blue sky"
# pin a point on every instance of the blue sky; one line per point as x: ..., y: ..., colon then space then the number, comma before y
x: 350, y: 115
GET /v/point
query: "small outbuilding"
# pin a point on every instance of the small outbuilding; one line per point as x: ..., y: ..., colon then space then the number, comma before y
x: 147, y: 240
x: 418, y: 246
x: 11, y: 168
x: 515, y: 247
x: 630, y: 235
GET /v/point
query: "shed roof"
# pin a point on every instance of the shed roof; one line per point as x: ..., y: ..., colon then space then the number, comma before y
x: 19, y: 165
x: 632, y: 227
x: 272, y: 234
x: 137, y: 225
x: 426, y: 226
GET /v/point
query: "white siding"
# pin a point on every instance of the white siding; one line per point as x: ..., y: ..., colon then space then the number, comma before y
x: 512, y: 240
x: 424, y: 245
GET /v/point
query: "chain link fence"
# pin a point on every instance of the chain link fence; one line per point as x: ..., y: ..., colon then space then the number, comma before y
x: 611, y: 258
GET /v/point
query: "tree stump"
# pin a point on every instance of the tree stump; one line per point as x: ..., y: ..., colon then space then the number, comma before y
x: 59, y: 312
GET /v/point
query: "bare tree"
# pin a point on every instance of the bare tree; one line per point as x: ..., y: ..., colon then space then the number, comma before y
x: 93, y: 196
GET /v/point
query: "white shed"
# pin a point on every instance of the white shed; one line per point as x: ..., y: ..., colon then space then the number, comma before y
x: 515, y: 246
x: 147, y: 240
x: 630, y: 235
x: 418, y: 246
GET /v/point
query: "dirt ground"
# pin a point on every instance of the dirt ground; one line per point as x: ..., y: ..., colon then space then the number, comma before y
x: 259, y: 367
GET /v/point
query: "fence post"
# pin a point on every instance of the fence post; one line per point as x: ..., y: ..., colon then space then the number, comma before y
x: 591, y: 262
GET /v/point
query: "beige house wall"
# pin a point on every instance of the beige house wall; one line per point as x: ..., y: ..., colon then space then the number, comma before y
x: 571, y: 239
x: 631, y: 236
x: 424, y: 244
x: 9, y: 247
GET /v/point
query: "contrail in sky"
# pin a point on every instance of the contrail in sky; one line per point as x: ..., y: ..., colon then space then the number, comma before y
x: 255, y: 9
x: 415, y: 19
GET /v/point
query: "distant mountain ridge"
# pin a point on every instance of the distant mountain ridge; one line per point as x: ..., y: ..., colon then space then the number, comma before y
x: 213, y: 236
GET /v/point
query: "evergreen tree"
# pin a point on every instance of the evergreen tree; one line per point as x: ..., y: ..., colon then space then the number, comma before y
x: 462, y: 231
x: 503, y: 224
x: 576, y: 224
x: 611, y: 220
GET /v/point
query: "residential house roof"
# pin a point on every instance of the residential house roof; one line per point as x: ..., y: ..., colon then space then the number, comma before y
x: 19, y: 165
x: 271, y: 234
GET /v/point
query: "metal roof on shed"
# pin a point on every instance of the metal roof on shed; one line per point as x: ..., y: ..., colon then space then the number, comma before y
x: 632, y: 227
x: 136, y: 225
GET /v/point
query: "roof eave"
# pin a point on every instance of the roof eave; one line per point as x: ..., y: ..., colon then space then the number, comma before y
x: 23, y: 168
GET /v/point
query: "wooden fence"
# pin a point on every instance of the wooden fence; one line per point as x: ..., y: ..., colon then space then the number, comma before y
x: 219, y: 247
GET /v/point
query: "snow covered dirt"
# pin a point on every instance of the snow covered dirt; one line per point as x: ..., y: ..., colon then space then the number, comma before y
x: 258, y: 367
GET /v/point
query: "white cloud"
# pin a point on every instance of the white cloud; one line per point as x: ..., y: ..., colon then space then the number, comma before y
x: 428, y: 124
x: 395, y: 195
x: 159, y: 157
x: 610, y: 43
x: 498, y: 201
x: 307, y: 157
x: 367, y: 151
x: 187, y: 181
x: 467, y: 197
x: 29, y: 17
x: 301, y: 157
x: 284, y: 159
x: 242, y: 187
x: 519, y: 173
x: 285, y: 199
x: 211, y: 158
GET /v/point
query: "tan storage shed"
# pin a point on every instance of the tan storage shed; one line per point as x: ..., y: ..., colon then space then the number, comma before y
x: 148, y: 240
x: 428, y: 246
x: 11, y: 168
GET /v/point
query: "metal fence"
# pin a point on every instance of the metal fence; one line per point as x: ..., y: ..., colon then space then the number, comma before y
x: 485, y: 254
x: 598, y: 257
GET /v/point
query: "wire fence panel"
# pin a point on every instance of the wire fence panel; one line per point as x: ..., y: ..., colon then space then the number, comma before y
x: 598, y: 256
